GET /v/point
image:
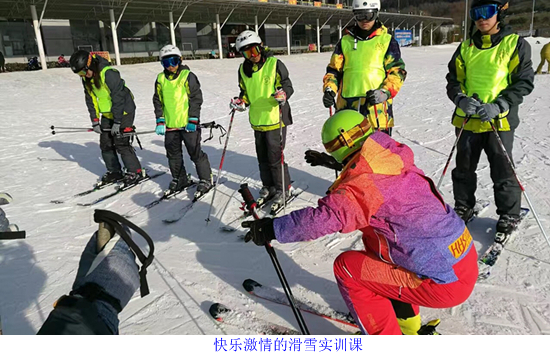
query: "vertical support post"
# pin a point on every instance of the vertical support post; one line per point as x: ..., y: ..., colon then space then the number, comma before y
x: 466, y: 20
x: 414, y: 33
x: 431, y: 35
x: 318, y: 37
x: 256, y: 24
x: 532, y: 27
x: 154, y: 30
x: 104, y: 46
x: 219, y: 30
x: 36, y: 26
x: 340, y: 29
x: 115, y: 36
x: 288, y: 36
x: 420, y: 35
x: 172, y: 31
x: 392, y: 28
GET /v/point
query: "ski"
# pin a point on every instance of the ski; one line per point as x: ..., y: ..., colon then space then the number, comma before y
x: 183, y: 211
x: 246, y: 321
x: 481, y: 207
x: 276, y: 208
x: 12, y: 235
x: 121, y: 189
x: 488, y: 260
x: 96, y: 187
x: 272, y: 295
x: 165, y: 196
x: 246, y: 214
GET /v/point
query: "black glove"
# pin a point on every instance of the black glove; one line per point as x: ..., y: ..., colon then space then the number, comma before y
x: 261, y: 231
x: 315, y: 158
x: 469, y: 105
x: 328, y: 98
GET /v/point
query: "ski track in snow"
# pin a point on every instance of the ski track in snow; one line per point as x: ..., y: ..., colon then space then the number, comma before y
x: 196, y: 264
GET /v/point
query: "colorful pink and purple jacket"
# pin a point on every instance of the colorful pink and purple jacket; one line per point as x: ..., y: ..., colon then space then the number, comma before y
x: 402, y: 216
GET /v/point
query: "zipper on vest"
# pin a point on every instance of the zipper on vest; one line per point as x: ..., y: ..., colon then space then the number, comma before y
x: 355, y: 44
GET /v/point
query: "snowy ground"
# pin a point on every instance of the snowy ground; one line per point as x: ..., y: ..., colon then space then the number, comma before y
x: 196, y: 265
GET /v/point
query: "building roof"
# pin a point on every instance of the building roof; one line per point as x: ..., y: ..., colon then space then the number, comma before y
x: 199, y: 11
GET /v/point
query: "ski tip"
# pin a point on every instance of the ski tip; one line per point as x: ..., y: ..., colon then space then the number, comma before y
x: 250, y: 284
x: 217, y: 310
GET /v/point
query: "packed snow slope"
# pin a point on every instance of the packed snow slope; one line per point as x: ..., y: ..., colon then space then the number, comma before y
x: 197, y: 264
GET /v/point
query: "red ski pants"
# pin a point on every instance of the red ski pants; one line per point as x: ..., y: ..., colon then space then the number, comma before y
x: 368, y: 285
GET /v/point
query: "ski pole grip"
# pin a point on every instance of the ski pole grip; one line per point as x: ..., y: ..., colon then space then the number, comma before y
x: 247, y: 196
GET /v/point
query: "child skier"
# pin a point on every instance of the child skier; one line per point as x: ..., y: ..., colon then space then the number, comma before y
x: 108, y: 98
x: 177, y: 101
x: 265, y: 87
x: 366, y: 68
x: 495, y: 64
x: 418, y: 251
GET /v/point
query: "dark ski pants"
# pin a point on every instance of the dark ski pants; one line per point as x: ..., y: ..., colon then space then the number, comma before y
x: 110, y: 146
x: 268, y: 150
x: 174, y: 153
x: 506, y: 189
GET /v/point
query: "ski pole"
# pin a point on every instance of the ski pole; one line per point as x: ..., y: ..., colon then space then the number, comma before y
x: 71, y: 128
x: 73, y: 131
x: 519, y: 182
x: 330, y: 111
x: 221, y: 165
x: 250, y: 204
x: 282, y: 157
x: 452, y: 151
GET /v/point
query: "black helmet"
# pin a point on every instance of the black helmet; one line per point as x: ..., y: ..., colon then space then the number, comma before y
x: 80, y: 60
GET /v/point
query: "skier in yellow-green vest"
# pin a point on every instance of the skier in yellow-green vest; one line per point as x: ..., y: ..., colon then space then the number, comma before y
x: 489, y: 75
x: 112, y: 112
x: 178, y: 101
x: 265, y: 89
x: 366, y: 67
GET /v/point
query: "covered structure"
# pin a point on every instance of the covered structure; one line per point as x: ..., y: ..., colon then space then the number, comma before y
x: 253, y: 13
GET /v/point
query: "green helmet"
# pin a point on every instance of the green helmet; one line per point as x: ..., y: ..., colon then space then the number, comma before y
x: 344, y: 133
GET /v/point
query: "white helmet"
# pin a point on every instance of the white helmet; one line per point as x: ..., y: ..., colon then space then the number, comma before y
x: 247, y: 37
x: 169, y: 50
x: 366, y: 5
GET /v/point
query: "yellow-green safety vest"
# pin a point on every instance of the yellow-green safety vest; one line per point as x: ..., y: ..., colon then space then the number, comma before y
x: 102, y: 96
x: 364, y: 70
x: 264, y: 109
x: 486, y: 74
x: 175, y: 100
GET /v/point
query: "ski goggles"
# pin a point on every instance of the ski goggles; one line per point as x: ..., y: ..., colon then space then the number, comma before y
x: 483, y: 12
x: 251, y: 51
x: 173, y: 61
x: 366, y: 15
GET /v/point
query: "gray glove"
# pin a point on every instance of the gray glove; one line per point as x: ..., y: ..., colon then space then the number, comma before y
x: 488, y: 112
x: 376, y: 97
x: 96, y: 127
x: 115, y: 130
x: 467, y: 104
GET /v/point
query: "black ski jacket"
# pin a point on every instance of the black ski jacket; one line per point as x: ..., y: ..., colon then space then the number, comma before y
x: 282, y: 80
x: 194, y: 91
x: 521, y: 72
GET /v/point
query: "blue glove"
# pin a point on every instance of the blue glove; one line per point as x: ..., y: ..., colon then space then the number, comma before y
x: 161, y: 126
x: 192, y: 124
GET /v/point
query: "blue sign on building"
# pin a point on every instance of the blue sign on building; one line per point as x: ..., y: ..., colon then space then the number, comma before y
x: 403, y: 37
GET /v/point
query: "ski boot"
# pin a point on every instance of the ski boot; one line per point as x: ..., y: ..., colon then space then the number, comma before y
x: 278, y: 200
x: 265, y: 194
x: 467, y: 214
x: 133, y: 178
x: 177, y: 185
x: 413, y: 326
x: 110, y: 177
x: 203, y: 187
x: 507, y: 223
